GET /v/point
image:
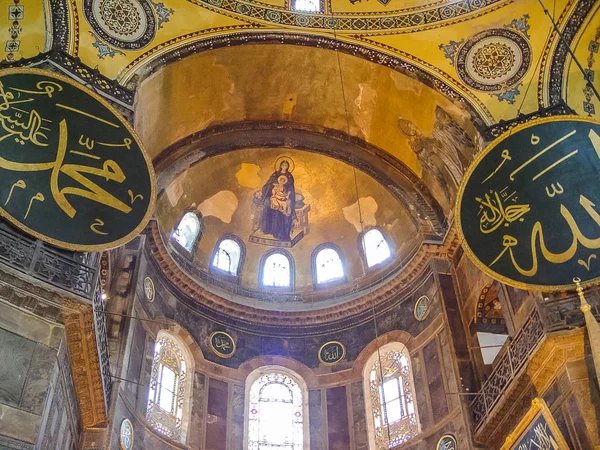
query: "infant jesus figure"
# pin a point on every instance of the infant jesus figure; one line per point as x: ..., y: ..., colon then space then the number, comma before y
x: 280, y: 197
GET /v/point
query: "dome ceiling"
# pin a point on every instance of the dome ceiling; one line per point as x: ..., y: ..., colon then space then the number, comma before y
x: 228, y: 190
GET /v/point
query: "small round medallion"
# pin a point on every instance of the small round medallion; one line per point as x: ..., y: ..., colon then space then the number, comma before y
x: 422, y: 307
x: 493, y: 60
x: 447, y: 442
x: 126, y: 435
x: 149, y: 289
x: 222, y: 344
x: 332, y: 353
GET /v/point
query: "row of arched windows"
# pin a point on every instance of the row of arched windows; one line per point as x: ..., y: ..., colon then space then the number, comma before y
x: 277, y: 266
x: 276, y: 399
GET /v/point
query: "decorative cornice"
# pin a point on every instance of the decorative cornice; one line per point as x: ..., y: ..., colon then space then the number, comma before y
x: 382, y: 298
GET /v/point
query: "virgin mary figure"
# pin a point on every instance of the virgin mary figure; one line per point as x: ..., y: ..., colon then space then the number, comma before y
x: 278, y: 196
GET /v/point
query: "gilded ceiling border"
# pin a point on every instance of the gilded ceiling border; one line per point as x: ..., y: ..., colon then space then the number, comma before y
x: 359, y: 22
x: 552, y: 73
x: 480, y: 117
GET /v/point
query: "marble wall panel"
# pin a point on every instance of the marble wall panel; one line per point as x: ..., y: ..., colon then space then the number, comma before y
x: 198, y: 416
x: 15, y: 353
x: 317, y: 420
x: 236, y: 440
x: 437, y: 392
x: 216, y: 423
x: 337, y: 419
x: 359, y: 418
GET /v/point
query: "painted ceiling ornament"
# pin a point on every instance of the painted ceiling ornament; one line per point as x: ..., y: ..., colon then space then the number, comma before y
x: 493, y: 61
x: 125, y: 24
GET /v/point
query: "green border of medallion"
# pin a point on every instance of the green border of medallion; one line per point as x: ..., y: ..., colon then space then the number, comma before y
x: 428, y: 308
x: 129, y: 128
x: 339, y: 360
x: 481, y: 266
x: 222, y: 355
x: 437, y: 447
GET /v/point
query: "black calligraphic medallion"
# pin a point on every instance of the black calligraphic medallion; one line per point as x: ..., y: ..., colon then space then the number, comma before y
x: 332, y: 353
x: 447, y: 442
x: 529, y: 205
x: 126, y: 435
x: 422, y: 308
x: 222, y: 344
x: 537, y: 430
x: 72, y: 171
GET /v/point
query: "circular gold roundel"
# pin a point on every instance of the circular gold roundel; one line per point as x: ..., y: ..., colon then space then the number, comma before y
x: 126, y: 435
x: 73, y: 172
x: 331, y: 353
x: 447, y: 442
x: 149, y: 291
x: 422, y: 307
x: 222, y: 344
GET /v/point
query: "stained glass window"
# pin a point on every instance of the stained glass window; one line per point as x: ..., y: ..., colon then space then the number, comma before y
x: 275, y: 420
x: 187, y: 231
x: 227, y: 256
x: 377, y: 250
x: 276, y: 271
x: 328, y: 265
x: 167, y: 388
x: 392, y: 401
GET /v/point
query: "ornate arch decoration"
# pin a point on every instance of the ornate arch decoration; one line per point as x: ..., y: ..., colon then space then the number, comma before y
x: 554, y: 65
x: 314, y: 269
x: 152, y: 60
x: 395, y: 176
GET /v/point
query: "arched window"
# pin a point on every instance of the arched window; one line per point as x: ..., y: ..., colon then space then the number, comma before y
x: 228, y: 255
x: 276, y: 414
x: 276, y: 270
x: 169, y: 391
x: 375, y: 247
x: 389, y: 394
x: 187, y: 232
x: 328, y: 266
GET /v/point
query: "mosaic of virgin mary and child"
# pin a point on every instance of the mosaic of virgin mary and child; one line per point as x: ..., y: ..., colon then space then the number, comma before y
x: 280, y: 211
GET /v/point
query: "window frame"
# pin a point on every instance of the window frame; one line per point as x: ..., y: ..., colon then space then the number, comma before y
x: 180, y: 248
x: 184, y: 392
x: 314, y: 268
x: 369, y: 407
x: 363, y: 253
x: 265, y: 370
x: 261, y: 270
x: 320, y: 11
x: 220, y: 273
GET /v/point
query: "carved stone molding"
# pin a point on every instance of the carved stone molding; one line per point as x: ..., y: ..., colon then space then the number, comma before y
x: 85, y: 366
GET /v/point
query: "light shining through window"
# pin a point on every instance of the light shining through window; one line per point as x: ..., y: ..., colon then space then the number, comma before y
x: 276, y: 271
x: 187, y: 231
x: 227, y: 256
x: 167, y: 382
x: 329, y: 266
x: 376, y: 247
x: 275, y: 414
x: 392, y: 400
x: 307, y: 6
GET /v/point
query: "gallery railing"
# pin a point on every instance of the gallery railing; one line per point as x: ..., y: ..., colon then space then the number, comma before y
x: 76, y: 273
x: 553, y: 314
